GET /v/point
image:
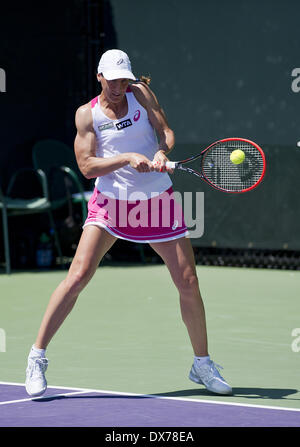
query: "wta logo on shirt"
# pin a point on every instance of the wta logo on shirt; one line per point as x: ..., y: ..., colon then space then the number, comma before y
x: 123, y: 124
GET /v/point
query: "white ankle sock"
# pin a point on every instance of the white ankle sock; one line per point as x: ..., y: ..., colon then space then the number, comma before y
x: 36, y: 352
x: 199, y: 361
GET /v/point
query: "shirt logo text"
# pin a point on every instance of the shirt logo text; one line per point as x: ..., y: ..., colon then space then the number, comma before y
x: 106, y: 126
x: 122, y: 124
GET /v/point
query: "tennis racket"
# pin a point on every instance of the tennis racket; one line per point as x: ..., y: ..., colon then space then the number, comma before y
x: 214, y: 166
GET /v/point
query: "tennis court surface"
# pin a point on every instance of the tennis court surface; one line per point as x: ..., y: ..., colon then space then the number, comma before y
x: 64, y: 407
x: 122, y: 357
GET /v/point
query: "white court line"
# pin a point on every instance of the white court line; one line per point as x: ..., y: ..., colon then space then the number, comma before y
x: 121, y: 393
x: 40, y: 397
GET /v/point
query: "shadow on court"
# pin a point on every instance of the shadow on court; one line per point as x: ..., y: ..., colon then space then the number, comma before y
x: 251, y: 393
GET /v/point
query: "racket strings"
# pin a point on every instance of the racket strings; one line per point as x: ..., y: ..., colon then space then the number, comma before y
x: 222, y: 173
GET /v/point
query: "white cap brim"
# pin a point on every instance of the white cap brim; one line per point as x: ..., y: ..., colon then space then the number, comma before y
x: 110, y: 75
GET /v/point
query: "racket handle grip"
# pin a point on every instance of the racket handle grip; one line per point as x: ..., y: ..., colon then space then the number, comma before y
x: 171, y: 164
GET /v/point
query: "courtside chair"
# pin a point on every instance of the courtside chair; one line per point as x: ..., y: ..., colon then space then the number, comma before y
x: 13, y: 206
x: 50, y: 155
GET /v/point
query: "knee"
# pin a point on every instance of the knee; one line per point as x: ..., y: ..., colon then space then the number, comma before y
x: 187, y: 283
x: 77, y: 279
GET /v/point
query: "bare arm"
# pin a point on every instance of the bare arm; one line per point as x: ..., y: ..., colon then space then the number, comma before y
x: 158, y: 119
x: 89, y: 164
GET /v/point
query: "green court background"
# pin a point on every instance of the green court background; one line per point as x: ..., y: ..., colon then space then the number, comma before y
x: 126, y: 333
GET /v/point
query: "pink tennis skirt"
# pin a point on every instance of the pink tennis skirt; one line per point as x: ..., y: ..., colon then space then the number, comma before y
x: 157, y: 219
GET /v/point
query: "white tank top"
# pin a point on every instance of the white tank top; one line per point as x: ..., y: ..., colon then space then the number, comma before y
x: 132, y: 133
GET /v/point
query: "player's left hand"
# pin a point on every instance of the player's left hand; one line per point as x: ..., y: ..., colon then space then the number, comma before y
x: 159, y: 162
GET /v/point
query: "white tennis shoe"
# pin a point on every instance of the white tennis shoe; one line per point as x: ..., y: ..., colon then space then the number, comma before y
x: 208, y: 375
x: 36, y: 383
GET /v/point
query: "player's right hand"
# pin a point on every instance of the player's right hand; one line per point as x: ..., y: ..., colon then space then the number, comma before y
x: 140, y: 162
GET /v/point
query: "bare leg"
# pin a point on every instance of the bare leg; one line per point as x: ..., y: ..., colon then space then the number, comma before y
x: 178, y: 256
x: 93, y: 245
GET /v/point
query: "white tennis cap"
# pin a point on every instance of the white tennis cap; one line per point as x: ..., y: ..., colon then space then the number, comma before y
x: 115, y: 64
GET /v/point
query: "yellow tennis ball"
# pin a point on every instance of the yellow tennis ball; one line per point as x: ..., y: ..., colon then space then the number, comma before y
x: 237, y: 156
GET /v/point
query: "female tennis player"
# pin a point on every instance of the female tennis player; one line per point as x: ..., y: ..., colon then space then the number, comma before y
x: 122, y: 141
